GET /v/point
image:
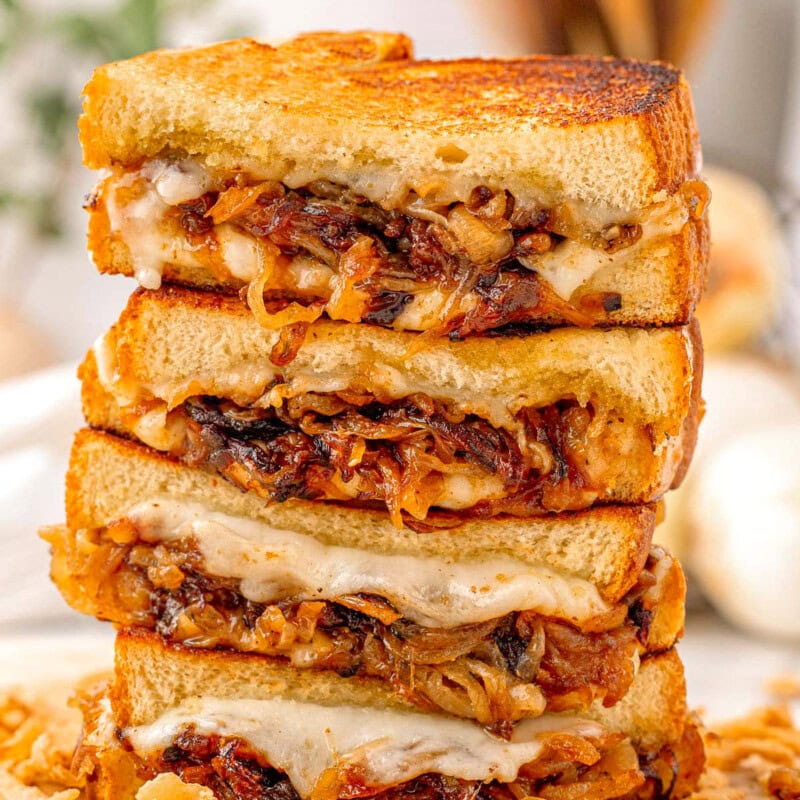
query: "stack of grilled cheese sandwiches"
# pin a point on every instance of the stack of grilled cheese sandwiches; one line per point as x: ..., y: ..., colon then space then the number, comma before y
x: 375, y: 451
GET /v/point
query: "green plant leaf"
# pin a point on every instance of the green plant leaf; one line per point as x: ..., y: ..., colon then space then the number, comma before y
x: 54, y: 115
x: 118, y: 31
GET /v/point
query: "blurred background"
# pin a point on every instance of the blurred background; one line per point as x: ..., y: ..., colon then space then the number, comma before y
x: 736, y: 520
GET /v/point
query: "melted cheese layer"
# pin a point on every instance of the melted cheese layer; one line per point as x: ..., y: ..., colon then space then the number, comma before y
x: 438, y: 592
x: 386, y: 746
x: 572, y: 263
x: 164, y: 184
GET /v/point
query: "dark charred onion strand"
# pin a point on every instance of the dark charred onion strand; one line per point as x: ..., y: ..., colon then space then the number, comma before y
x: 397, y: 453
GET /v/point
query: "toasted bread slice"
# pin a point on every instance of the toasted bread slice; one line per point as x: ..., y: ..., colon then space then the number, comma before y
x: 642, y: 387
x: 619, y: 134
x: 606, y: 546
x: 152, y: 677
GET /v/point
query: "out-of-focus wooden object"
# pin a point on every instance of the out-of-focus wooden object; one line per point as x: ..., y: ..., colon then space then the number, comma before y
x: 683, y: 24
x: 632, y: 24
x: 669, y: 30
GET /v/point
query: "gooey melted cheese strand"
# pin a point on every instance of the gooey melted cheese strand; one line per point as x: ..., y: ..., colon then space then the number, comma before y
x: 274, y: 564
x: 388, y: 746
x: 138, y: 222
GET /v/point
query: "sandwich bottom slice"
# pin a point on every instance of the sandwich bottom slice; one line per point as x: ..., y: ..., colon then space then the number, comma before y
x: 247, y: 727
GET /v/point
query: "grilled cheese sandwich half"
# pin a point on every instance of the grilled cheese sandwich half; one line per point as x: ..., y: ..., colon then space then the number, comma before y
x: 554, y: 421
x: 492, y: 620
x: 543, y: 190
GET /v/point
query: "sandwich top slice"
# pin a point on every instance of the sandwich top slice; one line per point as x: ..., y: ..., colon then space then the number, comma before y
x: 553, y: 421
x: 493, y: 620
x: 333, y: 174
x: 236, y: 724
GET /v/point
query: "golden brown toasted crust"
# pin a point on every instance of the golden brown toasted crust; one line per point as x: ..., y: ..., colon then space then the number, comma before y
x: 653, y: 712
x: 691, y: 273
x: 607, y: 545
x: 695, y: 416
x: 669, y: 615
x: 333, y: 104
x: 97, y: 405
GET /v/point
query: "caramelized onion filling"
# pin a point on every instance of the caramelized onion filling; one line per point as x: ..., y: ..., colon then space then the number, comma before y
x: 570, y: 767
x: 410, y: 455
x: 519, y: 665
x: 449, y: 269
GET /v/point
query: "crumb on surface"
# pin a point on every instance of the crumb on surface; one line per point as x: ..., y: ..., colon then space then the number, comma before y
x: 783, y: 687
x: 754, y: 756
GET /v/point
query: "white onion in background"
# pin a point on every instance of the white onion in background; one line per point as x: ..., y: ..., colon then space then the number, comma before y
x: 745, y: 514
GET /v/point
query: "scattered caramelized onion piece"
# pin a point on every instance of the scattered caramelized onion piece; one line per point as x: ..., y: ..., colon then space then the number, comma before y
x: 235, y: 200
x: 268, y: 257
x: 482, y: 245
x: 289, y: 343
x: 697, y: 196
